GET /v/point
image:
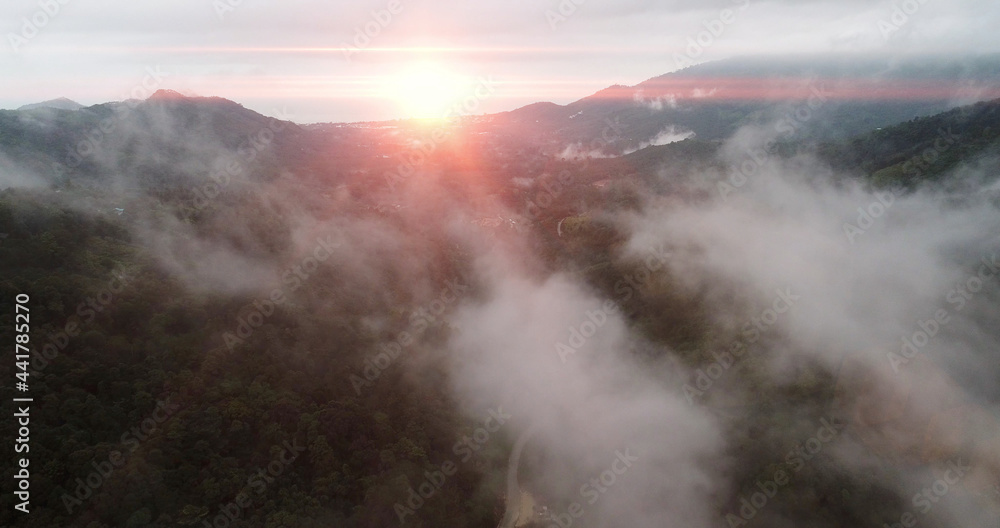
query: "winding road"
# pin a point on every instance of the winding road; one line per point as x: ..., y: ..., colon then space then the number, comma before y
x: 510, y: 516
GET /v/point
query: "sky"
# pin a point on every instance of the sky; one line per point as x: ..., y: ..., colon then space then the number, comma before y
x: 313, y: 61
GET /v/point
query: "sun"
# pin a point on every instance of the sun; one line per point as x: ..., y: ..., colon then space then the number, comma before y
x: 427, y: 91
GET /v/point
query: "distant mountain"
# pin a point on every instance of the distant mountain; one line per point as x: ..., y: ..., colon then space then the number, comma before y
x: 927, y: 150
x: 61, y: 103
x: 172, y: 139
x: 811, y: 98
x: 922, y: 149
x: 167, y: 140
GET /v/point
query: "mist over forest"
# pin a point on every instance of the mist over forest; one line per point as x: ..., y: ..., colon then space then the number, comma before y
x: 759, y: 291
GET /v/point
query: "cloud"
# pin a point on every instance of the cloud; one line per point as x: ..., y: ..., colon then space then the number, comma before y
x: 576, y: 151
x: 586, y: 407
x: 666, y: 136
x: 875, y: 272
x: 656, y: 104
x: 15, y: 176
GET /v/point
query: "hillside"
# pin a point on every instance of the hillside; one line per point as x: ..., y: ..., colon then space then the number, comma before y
x: 715, y: 99
x: 239, y: 320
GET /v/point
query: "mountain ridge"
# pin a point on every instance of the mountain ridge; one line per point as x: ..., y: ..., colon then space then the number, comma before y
x: 60, y: 103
